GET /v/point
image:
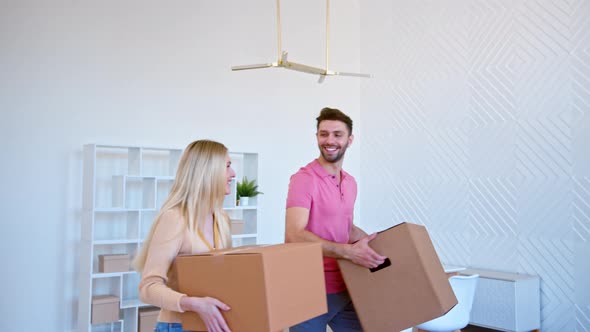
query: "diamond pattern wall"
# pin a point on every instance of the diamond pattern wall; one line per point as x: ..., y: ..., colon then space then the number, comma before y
x: 476, y: 123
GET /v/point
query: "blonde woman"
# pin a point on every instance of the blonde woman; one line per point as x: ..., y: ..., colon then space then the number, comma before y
x: 191, y: 220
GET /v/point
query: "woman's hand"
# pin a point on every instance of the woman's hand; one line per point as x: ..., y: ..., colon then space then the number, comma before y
x: 208, y: 308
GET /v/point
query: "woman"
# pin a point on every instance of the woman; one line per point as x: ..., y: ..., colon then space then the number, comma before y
x: 191, y: 220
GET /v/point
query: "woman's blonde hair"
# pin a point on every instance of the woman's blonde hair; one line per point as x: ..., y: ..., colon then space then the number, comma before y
x: 198, y: 189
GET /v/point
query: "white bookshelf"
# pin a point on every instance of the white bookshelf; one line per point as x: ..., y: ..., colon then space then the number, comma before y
x: 124, y: 187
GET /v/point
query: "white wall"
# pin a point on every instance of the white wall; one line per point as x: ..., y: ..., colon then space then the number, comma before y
x: 473, y: 124
x: 146, y: 73
x: 477, y: 124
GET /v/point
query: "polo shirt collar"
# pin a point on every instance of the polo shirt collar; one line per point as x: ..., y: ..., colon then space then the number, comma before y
x: 321, y: 171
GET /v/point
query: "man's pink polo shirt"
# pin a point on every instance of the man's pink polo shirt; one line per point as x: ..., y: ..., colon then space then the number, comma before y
x: 331, y: 208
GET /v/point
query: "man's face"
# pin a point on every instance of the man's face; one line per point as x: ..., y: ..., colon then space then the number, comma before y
x: 333, y: 140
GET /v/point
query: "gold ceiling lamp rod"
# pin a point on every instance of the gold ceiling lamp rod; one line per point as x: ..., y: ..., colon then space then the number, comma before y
x: 282, y: 55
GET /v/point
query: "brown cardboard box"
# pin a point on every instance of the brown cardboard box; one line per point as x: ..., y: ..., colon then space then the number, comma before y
x: 268, y: 288
x: 148, y: 317
x: 105, y: 309
x: 113, y: 263
x: 412, y: 290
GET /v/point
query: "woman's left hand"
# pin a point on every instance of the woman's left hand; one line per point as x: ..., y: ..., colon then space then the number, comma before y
x: 208, y: 309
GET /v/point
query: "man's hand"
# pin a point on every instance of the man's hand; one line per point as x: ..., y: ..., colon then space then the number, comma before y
x: 360, y: 253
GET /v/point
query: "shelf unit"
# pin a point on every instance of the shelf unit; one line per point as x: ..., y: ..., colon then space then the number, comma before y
x: 124, y: 187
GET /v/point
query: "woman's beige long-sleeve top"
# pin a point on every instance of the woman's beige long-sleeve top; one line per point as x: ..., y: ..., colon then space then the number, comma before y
x: 170, y: 239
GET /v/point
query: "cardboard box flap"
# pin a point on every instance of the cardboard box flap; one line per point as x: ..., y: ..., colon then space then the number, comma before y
x: 252, y: 249
x: 227, y: 251
x: 387, y: 229
x: 272, y: 248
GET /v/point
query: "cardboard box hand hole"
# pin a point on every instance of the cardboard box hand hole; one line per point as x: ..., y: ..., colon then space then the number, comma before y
x: 385, y: 264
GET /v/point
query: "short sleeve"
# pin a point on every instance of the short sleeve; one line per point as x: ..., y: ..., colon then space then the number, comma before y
x: 301, y: 189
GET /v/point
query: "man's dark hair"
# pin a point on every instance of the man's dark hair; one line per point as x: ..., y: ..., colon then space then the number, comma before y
x: 328, y: 113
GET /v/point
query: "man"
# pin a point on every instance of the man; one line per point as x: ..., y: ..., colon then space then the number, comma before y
x: 320, y: 206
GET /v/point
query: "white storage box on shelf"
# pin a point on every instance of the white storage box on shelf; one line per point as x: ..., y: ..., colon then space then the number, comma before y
x: 124, y: 187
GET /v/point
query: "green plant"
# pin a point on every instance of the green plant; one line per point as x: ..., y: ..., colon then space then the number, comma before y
x: 247, y: 188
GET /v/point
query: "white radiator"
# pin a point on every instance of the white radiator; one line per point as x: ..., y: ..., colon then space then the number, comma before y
x: 506, y: 301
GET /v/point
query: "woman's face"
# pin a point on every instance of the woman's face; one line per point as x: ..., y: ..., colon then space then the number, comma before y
x: 229, y: 174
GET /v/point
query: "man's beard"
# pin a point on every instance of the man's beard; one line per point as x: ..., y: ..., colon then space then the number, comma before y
x: 334, y: 158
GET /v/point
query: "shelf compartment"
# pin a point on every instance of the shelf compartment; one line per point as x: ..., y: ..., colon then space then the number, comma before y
x: 133, y: 303
x: 243, y: 241
x: 106, y: 286
x: 129, y: 287
x: 250, y: 221
x: 117, y: 326
x: 248, y: 207
x: 121, y: 209
x: 112, y: 248
x: 109, y: 161
x: 130, y: 315
x: 116, y: 226
x: 111, y: 274
x: 160, y: 161
x: 244, y: 236
x: 248, y: 216
x: 121, y: 241
x: 146, y: 221
x: 139, y: 192
x: 245, y: 165
x: 163, y: 187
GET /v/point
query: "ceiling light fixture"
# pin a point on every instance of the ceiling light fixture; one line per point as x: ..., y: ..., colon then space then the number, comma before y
x: 283, y: 62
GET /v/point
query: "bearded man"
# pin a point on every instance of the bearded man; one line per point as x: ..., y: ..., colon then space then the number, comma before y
x: 320, y: 208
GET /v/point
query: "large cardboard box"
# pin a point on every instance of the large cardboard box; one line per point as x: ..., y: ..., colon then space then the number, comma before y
x: 410, y: 291
x: 268, y: 288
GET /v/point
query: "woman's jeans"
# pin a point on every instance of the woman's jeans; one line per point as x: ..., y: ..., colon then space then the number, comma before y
x: 168, y: 327
x: 341, y: 317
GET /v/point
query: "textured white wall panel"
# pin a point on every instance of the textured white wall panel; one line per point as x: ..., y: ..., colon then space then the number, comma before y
x: 581, y: 206
x: 476, y: 124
